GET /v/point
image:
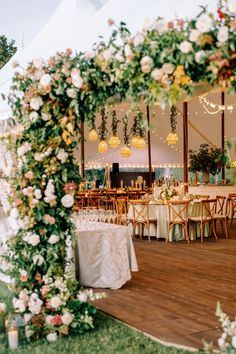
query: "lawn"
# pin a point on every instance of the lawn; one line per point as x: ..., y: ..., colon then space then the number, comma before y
x: 109, y: 337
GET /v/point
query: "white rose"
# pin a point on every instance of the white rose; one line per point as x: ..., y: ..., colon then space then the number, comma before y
x: 71, y: 93
x: 76, y: 78
x: 67, y: 318
x: 89, y: 55
x: 33, y: 240
x: 194, y: 35
x: 62, y: 155
x: 234, y: 341
x: 28, y: 332
x: 168, y: 68
x: 23, y: 272
x: 204, y: 23
x: 185, y: 47
x: 48, y: 152
x: 36, y: 103
x: 161, y: 26
x: 19, y: 305
x: 46, y: 116
x: 82, y: 297
x: 38, y: 260
x: 53, y: 239
x: 21, y: 151
x: 55, y: 302
x: 67, y: 201
x: 157, y: 74
x: 139, y: 39
x: 38, y: 193
x: 146, y: 69
x: 14, y: 213
x: 38, y: 62
x: 27, y: 317
x: 199, y: 56
x: 107, y: 54
x: 48, y: 319
x: 38, y: 157
x: 223, y: 34
x: 33, y: 116
x: 232, y: 6
x: 146, y: 61
x: 45, y: 80
x: 51, y: 337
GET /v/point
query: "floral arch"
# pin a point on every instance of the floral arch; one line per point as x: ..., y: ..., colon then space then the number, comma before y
x: 164, y: 62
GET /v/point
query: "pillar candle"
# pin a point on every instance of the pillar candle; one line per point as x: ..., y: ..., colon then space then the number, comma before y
x: 121, y: 183
x: 132, y: 183
x: 13, y: 338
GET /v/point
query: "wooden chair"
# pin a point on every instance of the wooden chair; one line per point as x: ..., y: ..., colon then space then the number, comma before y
x: 221, y: 213
x: 206, y: 216
x: 93, y: 201
x: 80, y: 201
x: 178, y: 215
x: 232, y: 206
x: 140, y: 217
x: 121, y: 206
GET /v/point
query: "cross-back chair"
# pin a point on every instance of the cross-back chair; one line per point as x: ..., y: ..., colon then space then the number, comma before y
x: 178, y: 215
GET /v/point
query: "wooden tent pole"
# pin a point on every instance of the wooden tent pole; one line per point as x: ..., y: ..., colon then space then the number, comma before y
x: 149, y: 149
x: 223, y: 130
x: 82, y: 157
x: 185, y: 144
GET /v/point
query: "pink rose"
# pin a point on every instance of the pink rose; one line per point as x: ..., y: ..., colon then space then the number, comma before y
x: 48, y: 219
x: 29, y: 175
x: 56, y: 320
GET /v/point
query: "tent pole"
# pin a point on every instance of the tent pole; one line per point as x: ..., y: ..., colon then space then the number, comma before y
x: 149, y: 149
x: 223, y: 130
x: 185, y: 144
x: 82, y: 167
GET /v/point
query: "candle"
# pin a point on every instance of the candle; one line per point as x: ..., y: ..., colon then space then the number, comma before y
x: 13, y: 338
x: 136, y: 184
x: 132, y: 183
x: 144, y: 184
x: 121, y: 183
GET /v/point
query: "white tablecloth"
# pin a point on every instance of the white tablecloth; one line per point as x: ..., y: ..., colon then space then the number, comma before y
x: 105, y: 255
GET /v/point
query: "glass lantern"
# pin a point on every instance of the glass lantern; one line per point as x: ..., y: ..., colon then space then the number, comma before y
x: 15, y: 326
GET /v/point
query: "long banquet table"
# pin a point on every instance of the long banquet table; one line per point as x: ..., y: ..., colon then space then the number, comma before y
x: 105, y: 255
x: 159, y: 211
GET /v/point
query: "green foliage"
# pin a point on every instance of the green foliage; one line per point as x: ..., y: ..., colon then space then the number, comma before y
x: 7, y: 50
x: 206, y: 159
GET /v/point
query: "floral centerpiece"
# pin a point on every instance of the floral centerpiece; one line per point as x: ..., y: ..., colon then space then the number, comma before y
x: 167, y: 192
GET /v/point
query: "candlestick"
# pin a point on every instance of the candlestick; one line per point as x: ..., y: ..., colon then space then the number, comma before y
x: 121, y: 183
x: 136, y: 184
x: 13, y: 338
x: 132, y: 183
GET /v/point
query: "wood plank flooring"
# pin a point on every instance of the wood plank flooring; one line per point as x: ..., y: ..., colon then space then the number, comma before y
x: 173, y: 296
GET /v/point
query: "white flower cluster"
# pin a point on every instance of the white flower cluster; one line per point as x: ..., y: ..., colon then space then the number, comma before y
x: 36, y: 103
x: 35, y: 304
x: 227, y: 341
x: 146, y: 64
x: 21, y: 302
x: 163, y: 72
x: 49, y: 192
x: 232, y: 6
x: 77, y: 80
x: 39, y: 156
x: 62, y: 155
x: 60, y: 284
x: 23, y: 149
x: 88, y: 294
x: 67, y: 201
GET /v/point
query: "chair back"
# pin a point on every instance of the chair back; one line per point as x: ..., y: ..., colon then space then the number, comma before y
x: 203, y: 196
x: 93, y: 201
x: 221, y: 205
x: 178, y: 212
x: 208, y: 207
x: 232, y: 204
x: 140, y: 210
x: 121, y: 206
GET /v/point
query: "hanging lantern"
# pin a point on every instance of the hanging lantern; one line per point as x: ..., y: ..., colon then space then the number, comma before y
x: 102, y: 147
x: 125, y: 151
x: 172, y: 139
x: 134, y: 141
x: 114, y: 141
x: 93, y: 135
x: 141, y: 144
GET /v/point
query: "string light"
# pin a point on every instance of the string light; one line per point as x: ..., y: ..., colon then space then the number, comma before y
x: 215, y: 108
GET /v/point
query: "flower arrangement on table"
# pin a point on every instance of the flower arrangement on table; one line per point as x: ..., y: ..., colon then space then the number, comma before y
x: 167, y: 192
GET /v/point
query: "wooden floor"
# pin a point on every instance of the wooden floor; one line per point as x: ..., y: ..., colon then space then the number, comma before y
x: 173, y: 296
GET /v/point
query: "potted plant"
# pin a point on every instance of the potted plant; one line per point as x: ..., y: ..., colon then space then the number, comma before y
x: 207, y: 159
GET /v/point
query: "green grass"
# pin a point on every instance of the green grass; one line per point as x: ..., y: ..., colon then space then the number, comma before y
x: 109, y: 337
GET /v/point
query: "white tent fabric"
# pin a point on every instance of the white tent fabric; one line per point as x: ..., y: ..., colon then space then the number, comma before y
x: 73, y: 25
